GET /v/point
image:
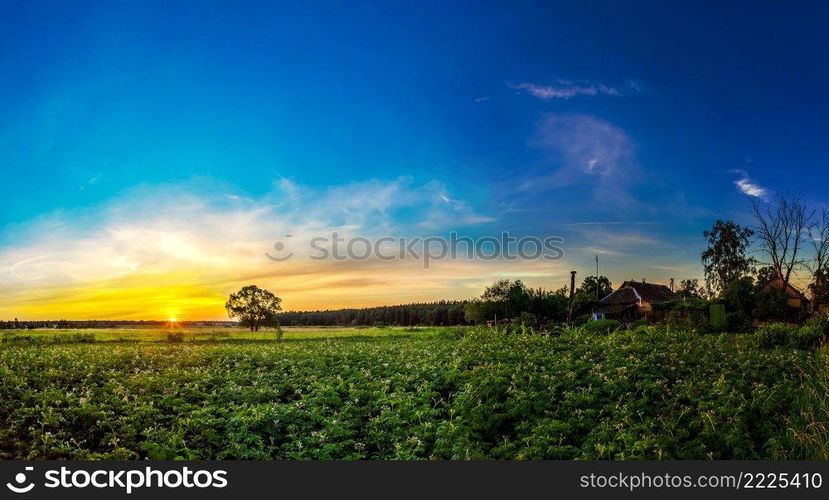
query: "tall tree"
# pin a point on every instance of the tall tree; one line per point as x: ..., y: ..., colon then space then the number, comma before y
x: 782, y: 225
x: 690, y: 289
x: 585, y: 296
x: 253, y: 306
x: 593, y: 287
x: 725, y: 259
x: 765, y: 275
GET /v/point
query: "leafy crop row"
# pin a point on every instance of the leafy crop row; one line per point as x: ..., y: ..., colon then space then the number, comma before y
x: 474, y: 395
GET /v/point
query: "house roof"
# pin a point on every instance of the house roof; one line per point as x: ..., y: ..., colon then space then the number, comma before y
x: 631, y: 292
x: 791, y: 292
x: 613, y: 308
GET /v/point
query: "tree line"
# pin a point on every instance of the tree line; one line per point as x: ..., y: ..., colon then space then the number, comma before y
x: 787, y: 239
x: 441, y: 313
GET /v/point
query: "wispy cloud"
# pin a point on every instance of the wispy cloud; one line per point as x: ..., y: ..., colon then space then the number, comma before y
x: 610, y: 223
x: 567, y: 89
x: 583, y: 146
x: 747, y: 186
x: 180, y: 248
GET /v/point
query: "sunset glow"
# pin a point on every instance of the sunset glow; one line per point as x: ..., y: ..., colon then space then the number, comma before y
x: 150, y: 177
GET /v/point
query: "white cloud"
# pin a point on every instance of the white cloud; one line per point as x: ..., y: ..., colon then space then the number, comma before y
x: 567, y: 89
x: 747, y: 186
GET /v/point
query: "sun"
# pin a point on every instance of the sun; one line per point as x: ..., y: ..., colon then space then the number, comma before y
x: 172, y: 319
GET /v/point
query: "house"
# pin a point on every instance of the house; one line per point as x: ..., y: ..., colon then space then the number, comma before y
x: 794, y: 297
x: 633, y: 300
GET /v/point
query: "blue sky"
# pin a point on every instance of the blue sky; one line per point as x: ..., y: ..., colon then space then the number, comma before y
x: 622, y: 126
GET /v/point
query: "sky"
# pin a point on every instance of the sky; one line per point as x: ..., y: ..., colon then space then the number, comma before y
x: 154, y: 152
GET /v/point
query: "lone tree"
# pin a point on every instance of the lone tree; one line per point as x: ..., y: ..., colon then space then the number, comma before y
x: 725, y: 258
x: 254, y: 307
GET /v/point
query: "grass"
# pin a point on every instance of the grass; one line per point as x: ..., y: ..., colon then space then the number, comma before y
x: 196, y: 334
x: 814, y: 404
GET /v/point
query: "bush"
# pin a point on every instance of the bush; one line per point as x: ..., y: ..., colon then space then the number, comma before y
x: 638, y: 323
x: 175, y: 337
x: 528, y: 319
x: 810, y: 334
x: 775, y: 334
x: 602, y: 326
x: 781, y: 334
x: 820, y: 322
x: 83, y: 338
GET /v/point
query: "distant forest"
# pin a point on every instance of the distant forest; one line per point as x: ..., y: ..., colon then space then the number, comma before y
x: 103, y: 323
x: 443, y: 313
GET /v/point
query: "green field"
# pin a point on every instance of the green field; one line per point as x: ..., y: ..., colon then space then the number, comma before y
x: 194, y: 334
x: 383, y: 393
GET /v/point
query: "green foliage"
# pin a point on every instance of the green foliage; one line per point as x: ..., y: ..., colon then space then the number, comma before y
x: 775, y: 334
x: 740, y: 302
x: 772, y: 304
x: 690, y: 289
x: 585, y: 296
x: 509, y: 299
x: 782, y: 334
x: 645, y: 393
x: 725, y: 259
x: 639, y: 323
x: 175, y: 337
x: 528, y: 319
x: 602, y: 326
x: 254, y: 307
x: 819, y: 288
x: 765, y: 275
x: 441, y: 313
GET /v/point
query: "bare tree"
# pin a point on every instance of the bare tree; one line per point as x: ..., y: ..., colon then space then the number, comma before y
x: 819, y: 266
x: 782, y: 225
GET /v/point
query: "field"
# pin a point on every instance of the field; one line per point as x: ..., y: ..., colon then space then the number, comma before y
x: 383, y: 393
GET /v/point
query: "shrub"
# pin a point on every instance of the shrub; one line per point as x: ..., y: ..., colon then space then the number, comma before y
x: 775, y: 334
x: 83, y: 338
x: 528, y: 319
x: 602, y: 326
x: 638, y: 323
x: 809, y: 335
x: 820, y: 322
x: 175, y: 336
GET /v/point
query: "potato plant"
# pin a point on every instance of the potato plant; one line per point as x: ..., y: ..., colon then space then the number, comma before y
x: 454, y: 394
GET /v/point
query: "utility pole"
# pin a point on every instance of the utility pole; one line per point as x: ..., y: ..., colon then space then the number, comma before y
x: 597, y: 278
x: 672, y: 284
x: 572, y: 289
